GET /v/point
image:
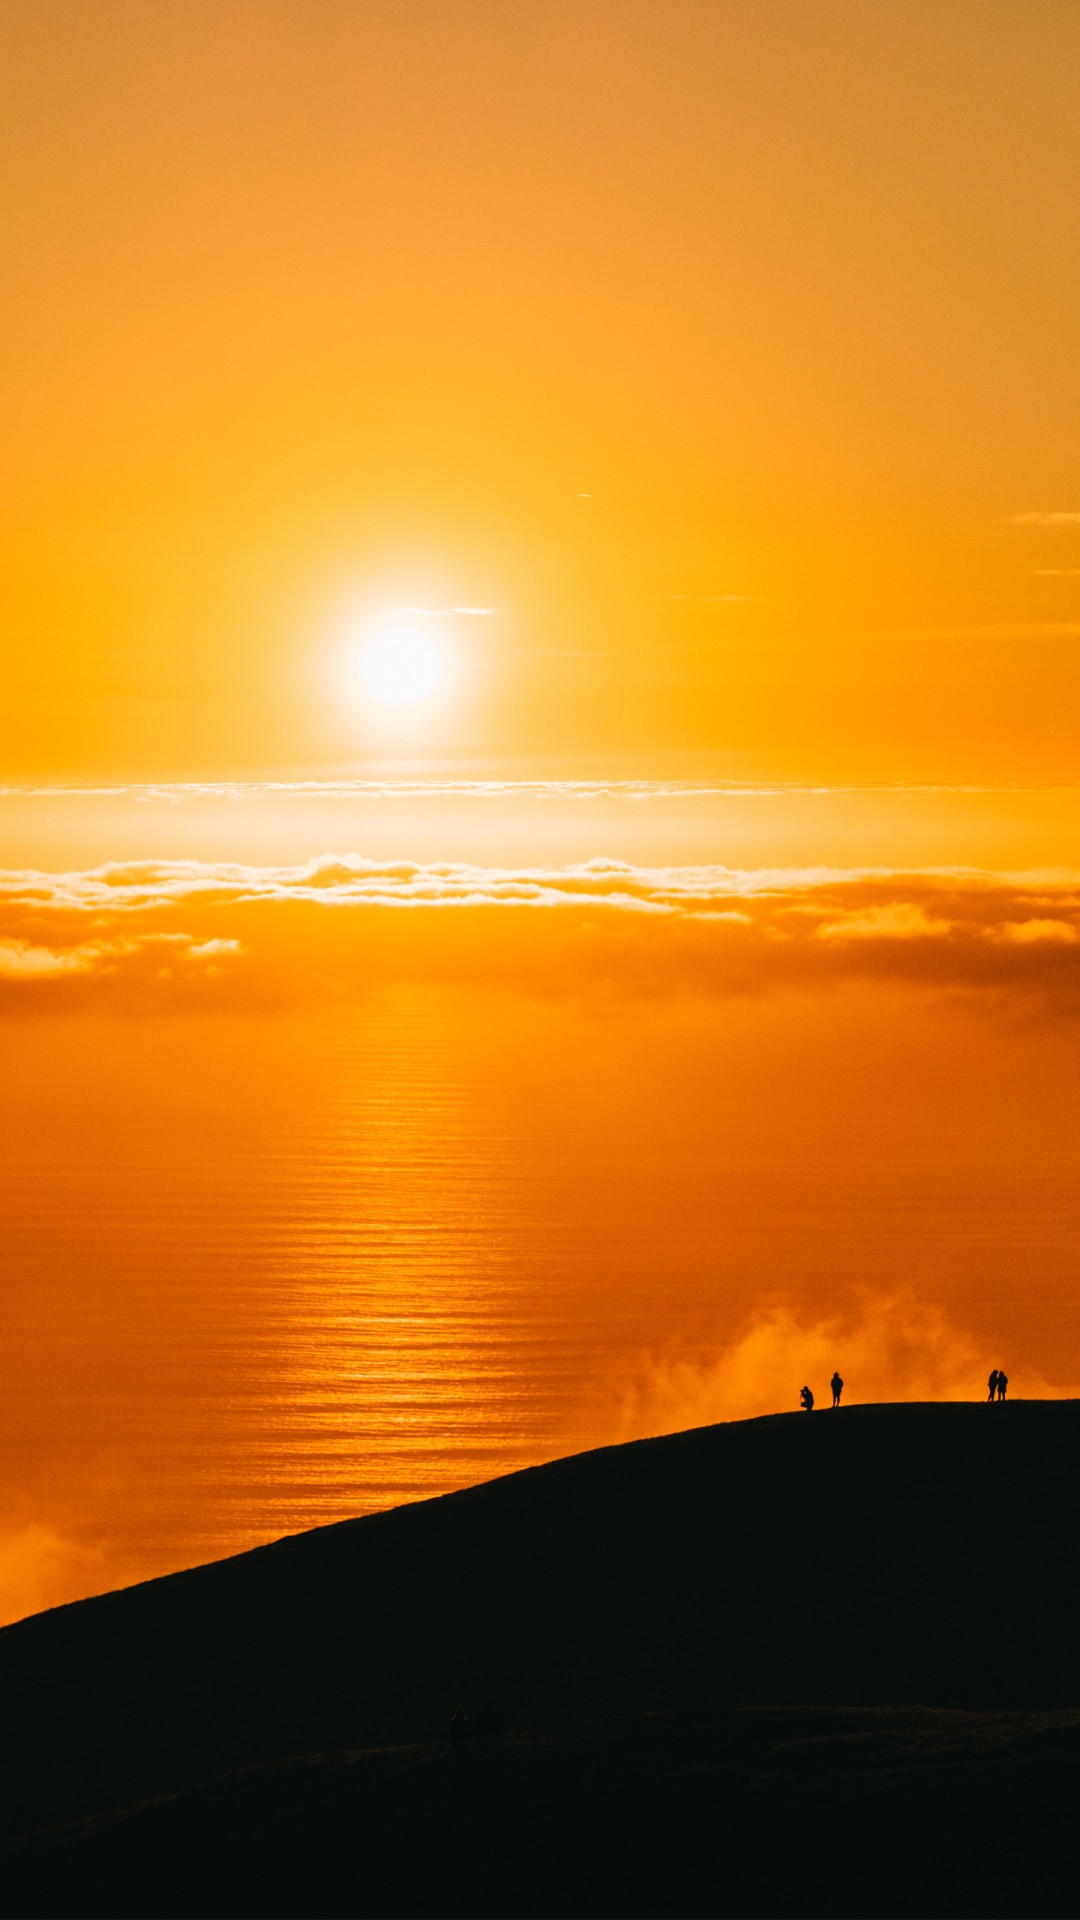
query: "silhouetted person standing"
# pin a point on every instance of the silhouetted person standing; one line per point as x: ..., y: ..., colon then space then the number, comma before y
x: 837, y: 1386
x: 489, y: 1728
x: 807, y: 1399
x: 1003, y: 1381
x: 992, y: 1383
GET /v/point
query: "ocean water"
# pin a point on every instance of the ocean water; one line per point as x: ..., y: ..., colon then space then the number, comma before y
x: 264, y: 1272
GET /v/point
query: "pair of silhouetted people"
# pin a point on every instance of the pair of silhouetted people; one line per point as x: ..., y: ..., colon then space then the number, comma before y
x: 997, y: 1383
x: 806, y: 1398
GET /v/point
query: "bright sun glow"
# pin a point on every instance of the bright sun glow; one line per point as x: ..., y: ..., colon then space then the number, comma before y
x: 401, y: 666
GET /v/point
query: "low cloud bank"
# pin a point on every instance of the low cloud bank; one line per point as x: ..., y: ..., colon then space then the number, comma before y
x: 182, y: 932
x: 887, y: 1346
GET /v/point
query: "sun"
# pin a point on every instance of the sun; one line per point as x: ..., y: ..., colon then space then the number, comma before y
x: 401, y: 666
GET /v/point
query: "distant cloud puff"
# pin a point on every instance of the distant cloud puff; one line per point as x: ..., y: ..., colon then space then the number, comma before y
x: 213, y: 949
x: 21, y: 961
x: 160, y: 933
x: 1025, y: 932
x: 901, y: 920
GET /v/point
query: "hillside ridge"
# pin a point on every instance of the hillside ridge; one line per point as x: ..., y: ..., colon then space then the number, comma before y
x: 887, y: 1554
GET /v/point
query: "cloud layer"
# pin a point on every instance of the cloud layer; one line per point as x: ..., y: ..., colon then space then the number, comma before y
x: 167, y: 932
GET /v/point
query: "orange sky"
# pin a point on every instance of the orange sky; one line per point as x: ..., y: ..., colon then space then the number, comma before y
x: 682, y: 1000
x: 313, y: 308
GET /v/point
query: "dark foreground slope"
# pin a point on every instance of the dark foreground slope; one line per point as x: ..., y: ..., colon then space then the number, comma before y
x: 876, y: 1556
x: 890, y: 1812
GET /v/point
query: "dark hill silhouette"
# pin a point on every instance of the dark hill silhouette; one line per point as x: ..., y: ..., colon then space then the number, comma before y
x: 921, y: 1554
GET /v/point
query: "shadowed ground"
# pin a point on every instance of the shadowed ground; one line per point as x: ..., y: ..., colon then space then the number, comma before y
x: 896, y: 1812
x: 874, y: 1558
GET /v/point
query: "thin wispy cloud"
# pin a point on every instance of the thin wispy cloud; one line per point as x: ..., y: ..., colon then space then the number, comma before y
x: 1057, y: 573
x: 1067, y: 518
x: 175, y: 793
x: 999, y: 630
x: 444, y: 613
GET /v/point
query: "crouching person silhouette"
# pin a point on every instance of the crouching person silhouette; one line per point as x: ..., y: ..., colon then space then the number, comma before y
x: 807, y: 1399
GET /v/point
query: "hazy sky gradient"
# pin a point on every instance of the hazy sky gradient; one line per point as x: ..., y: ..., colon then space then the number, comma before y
x: 314, y: 308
